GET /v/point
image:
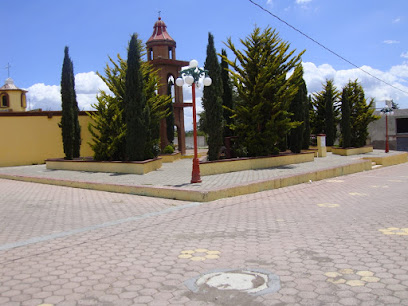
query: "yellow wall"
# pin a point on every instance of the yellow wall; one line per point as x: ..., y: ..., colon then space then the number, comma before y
x: 30, y: 138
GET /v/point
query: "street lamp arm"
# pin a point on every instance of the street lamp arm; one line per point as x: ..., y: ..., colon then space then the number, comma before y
x: 195, y: 72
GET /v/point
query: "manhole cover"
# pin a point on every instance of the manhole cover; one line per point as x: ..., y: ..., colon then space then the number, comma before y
x: 255, y: 282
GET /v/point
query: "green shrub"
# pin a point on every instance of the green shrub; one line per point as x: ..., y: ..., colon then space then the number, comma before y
x: 169, y: 149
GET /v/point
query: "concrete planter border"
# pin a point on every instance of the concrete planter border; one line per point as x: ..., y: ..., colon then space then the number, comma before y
x: 352, y: 151
x: 135, y: 167
x: 241, y: 164
x: 169, y: 158
x: 390, y: 160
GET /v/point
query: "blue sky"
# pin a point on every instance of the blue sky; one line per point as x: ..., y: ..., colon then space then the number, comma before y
x: 370, y: 33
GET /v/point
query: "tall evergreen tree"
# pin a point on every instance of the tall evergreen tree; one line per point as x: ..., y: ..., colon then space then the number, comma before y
x: 345, y: 125
x: 326, y: 103
x: 77, y: 128
x: 227, y: 100
x: 330, y: 99
x: 298, y: 113
x: 135, y: 109
x: 259, y: 73
x: 67, y: 96
x: 212, y: 101
x: 306, y: 123
x: 361, y: 113
x: 170, y: 117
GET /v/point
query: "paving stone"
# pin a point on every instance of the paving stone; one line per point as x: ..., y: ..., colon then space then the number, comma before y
x: 136, y: 262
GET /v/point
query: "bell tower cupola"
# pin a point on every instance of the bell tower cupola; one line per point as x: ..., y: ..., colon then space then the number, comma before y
x: 160, y: 44
x: 12, y: 98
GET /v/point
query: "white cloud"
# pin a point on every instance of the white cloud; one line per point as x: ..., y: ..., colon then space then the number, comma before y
x: 396, y: 20
x: 397, y: 76
x: 88, y: 82
x: 303, y: 1
x: 48, y: 97
x: 390, y: 41
x: 401, y: 71
x: 404, y: 54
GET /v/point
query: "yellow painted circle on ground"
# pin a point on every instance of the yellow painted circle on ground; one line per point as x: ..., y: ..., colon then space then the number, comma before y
x: 336, y: 281
x: 331, y: 205
x: 365, y: 273
x: 346, y: 271
x: 201, y: 250
x: 187, y: 252
x: 197, y: 258
x: 355, y: 283
x: 370, y: 279
x: 213, y: 252
x: 332, y: 274
x: 212, y: 256
x: 186, y: 256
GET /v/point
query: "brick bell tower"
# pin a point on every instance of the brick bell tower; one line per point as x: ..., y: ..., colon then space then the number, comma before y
x: 161, y: 53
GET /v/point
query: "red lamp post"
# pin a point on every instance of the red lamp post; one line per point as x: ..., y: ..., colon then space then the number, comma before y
x: 387, y: 111
x: 192, y: 75
x: 387, y: 149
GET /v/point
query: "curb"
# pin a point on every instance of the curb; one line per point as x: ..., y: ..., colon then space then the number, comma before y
x: 204, y: 195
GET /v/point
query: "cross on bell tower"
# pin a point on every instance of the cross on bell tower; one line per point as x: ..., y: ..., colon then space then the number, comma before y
x: 161, y: 53
x: 8, y: 69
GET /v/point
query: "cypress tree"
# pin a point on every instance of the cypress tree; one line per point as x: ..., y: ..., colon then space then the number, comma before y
x: 135, y: 108
x: 75, y: 109
x: 170, y: 117
x: 212, y: 102
x: 326, y: 115
x: 227, y: 100
x: 306, y: 123
x: 259, y: 74
x: 330, y: 125
x: 361, y: 114
x: 67, y: 97
x: 317, y: 114
x: 298, y: 113
x: 345, y: 126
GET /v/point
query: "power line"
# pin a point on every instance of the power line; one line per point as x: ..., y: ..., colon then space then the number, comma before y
x: 324, y: 47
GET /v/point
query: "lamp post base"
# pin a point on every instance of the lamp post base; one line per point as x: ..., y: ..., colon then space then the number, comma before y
x: 195, y: 177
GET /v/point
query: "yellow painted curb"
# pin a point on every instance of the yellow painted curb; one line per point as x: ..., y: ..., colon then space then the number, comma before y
x: 352, y: 151
x: 204, y: 195
x: 142, y: 167
x: 170, y: 158
x: 241, y: 164
x: 390, y: 160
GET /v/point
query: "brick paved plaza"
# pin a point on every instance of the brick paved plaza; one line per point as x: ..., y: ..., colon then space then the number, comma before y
x: 340, y: 241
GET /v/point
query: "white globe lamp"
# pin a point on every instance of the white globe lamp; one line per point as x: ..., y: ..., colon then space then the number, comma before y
x: 193, y: 63
x: 207, y: 81
x: 179, y: 82
x: 189, y: 80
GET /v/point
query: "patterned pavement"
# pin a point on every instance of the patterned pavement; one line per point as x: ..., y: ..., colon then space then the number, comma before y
x: 340, y: 241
